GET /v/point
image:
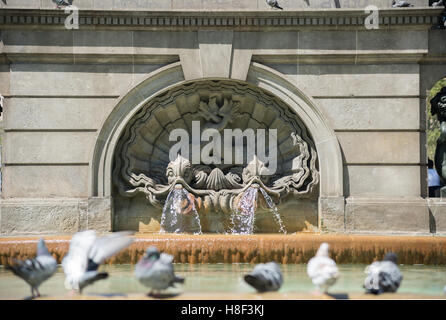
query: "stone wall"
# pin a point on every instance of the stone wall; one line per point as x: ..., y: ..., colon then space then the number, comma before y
x: 370, y: 85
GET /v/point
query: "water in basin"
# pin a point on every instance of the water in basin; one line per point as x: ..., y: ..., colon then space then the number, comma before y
x: 202, y: 278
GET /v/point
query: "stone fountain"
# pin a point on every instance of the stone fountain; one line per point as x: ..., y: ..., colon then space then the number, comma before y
x: 183, y: 195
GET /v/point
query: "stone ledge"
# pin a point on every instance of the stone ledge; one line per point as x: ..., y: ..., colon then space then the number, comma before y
x: 22, y: 216
x: 387, y: 215
x: 181, y: 19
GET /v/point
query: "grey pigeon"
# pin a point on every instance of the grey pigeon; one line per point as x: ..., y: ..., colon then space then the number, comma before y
x: 438, y: 3
x: 265, y: 277
x: 36, y: 271
x: 322, y: 269
x: 87, y: 252
x: 155, y: 270
x: 274, y: 4
x: 383, y: 276
x: 63, y: 3
x: 401, y: 4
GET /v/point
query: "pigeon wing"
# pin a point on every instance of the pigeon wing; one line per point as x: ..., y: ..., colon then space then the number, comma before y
x: 106, y: 247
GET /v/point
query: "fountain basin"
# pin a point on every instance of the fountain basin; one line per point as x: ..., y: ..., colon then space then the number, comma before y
x: 225, y: 282
x: 286, y: 249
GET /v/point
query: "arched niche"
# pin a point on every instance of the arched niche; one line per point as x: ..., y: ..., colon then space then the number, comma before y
x: 330, y: 184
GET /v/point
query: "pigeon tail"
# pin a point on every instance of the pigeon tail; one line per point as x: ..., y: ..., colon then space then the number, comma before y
x: 178, y: 280
x: 277, y: 6
x: 255, y: 282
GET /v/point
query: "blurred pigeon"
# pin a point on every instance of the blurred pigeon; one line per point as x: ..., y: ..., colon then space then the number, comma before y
x: 155, y: 270
x: 400, y: 4
x: 62, y: 3
x: 87, y: 252
x: 274, y: 4
x: 322, y: 269
x: 265, y: 277
x: 383, y: 276
x: 2, y: 98
x: 36, y: 271
x: 439, y: 3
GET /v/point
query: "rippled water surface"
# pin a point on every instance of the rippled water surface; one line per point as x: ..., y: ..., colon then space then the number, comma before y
x: 418, y: 279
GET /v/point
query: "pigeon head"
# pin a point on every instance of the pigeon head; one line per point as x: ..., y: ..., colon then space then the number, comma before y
x: 323, y: 250
x: 390, y: 256
x: 152, y: 253
x: 42, y: 250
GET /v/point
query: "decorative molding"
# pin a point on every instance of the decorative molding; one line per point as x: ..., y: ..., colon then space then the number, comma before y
x: 331, y: 18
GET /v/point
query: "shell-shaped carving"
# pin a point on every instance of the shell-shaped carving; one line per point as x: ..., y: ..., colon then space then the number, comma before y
x: 217, y: 180
x: 142, y: 153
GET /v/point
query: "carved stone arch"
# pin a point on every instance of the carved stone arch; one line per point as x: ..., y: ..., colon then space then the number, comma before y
x: 269, y: 80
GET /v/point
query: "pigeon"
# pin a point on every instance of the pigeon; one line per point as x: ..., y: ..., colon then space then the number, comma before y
x: 2, y: 99
x: 274, y: 4
x: 439, y: 3
x: 62, y: 3
x: 155, y: 270
x: 322, y: 269
x: 265, y: 277
x: 36, y: 271
x: 87, y: 252
x: 400, y: 4
x: 383, y: 276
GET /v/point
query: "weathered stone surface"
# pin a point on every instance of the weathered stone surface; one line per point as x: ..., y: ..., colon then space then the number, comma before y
x: 353, y: 80
x: 38, y: 41
x: 384, y: 181
x: 392, y: 41
x: 70, y: 80
x: 429, y: 75
x: 325, y: 42
x: 4, y: 79
x: 48, y: 147
x: 37, y: 216
x: 57, y: 113
x: 331, y: 214
x: 215, y: 53
x: 99, y: 213
x: 387, y: 215
x: 379, y: 147
x: 36, y: 181
x: 372, y: 114
x: 437, y: 214
x: 102, y: 42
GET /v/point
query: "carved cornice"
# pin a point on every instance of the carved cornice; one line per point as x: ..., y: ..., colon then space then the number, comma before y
x: 245, y: 20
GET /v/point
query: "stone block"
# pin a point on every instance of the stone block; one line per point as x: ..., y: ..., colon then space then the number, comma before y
x: 331, y: 214
x: 38, y: 41
x: 327, y: 42
x: 34, y: 181
x: 103, y: 42
x: 57, y: 113
x: 4, y: 79
x: 39, y: 216
x: 48, y: 147
x: 215, y: 53
x: 429, y: 75
x: 99, y: 214
x: 380, y: 147
x: 413, y: 41
x: 354, y: 80
x: 372, y: 114
x: 382, y: 180
x: 437, y: 212
x: 72, y: 80
x: 20, y: 4
x: 387, y: 215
